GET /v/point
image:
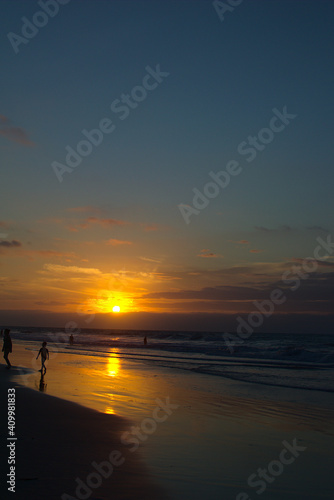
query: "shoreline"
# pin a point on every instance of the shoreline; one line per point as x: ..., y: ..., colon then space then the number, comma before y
x: 219, y: 434
x: 67, y: 451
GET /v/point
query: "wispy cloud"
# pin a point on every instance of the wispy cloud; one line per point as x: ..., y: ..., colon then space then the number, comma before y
x: 97, y: 221
x: 10, y: 244
x: 116, y: 243
x: 50, y: 303
x: 71, y: 269
x: 283, y: 228
x: 240, y: 242
x: 315, y: 295
x: 254, y: 250
x: 152, y: 227
x: 207, y: 254
x: 51, y: 253
x: 15, y: 134
x: 148, y: 259
x: 106, y: 222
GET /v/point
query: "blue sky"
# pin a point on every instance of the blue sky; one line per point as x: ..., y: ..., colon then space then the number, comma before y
x: 224, y: 80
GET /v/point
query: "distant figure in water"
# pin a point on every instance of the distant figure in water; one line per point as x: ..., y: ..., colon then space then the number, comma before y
x: 145, y: 340
x: 42, y: 384
x: 44, y: 352
x: 71, y: 339
x: 7, y: 347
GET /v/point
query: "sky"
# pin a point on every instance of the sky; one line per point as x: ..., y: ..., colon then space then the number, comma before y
x: 171, y: 158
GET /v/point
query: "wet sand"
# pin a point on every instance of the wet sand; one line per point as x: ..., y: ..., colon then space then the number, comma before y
x: 64, y: 451
x: 218, y: 433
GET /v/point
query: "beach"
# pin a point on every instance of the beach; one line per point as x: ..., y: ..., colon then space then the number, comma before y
x: 57, y: 443
x: 170, y: 433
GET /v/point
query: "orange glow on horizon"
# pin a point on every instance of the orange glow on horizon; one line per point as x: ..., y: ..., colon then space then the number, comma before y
x: 112, y: 302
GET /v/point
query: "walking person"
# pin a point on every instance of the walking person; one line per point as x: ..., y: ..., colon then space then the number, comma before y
x: 7, y: 347
x: 44, y: 353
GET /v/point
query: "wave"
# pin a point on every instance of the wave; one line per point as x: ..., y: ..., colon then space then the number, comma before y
x: 294, y: 360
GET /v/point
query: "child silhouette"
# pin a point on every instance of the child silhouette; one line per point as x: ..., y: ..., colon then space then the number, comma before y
x: 44, y: 355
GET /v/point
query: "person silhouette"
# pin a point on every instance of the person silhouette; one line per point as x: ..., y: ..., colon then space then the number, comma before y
x: 71, y: 339
x: 44, y: 356
x: 7, y: 347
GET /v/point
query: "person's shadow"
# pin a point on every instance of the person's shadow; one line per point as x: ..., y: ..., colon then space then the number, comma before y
x: 42, y: 384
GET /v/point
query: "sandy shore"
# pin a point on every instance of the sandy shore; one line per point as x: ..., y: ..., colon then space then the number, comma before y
x: 218, y: 433
x: 57, y: 442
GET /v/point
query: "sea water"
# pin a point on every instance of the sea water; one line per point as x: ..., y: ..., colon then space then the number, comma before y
x: 303, y: 361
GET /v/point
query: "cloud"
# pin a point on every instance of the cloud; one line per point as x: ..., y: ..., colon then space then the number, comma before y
x: 50, y: 303
x: 316, y: 289
x: 205, y: 253
x: 15, y: 134
x: 223, y: 292
x: 320, y: 263
x: 53, y: 253
x: 254, y: 250
x: 33, y: 254
x: 283, y: 228
x: 116, y: 243
x: 106, y: 222
x: 102, y: 222
x: 240, y: 242
x: 10, y: 244
x: 150, y: 227
x: 71, y: 269
x: 151, y: 260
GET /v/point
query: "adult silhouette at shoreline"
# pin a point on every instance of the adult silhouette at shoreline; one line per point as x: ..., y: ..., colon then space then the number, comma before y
x: 7, y: 347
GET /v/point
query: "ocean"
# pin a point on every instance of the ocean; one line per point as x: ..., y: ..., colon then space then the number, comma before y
x: 304, y: 361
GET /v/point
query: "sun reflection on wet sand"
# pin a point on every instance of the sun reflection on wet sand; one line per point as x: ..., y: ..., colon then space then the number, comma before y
x: 113, y: 365
x: 109, y: 411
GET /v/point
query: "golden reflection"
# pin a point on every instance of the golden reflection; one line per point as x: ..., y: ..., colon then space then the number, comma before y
x: 109, y: 411
x: 113, y: 366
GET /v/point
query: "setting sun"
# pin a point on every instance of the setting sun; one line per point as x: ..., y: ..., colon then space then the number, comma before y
x: 111, y: 302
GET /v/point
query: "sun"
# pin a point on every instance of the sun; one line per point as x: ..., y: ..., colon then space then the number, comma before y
x: 116, y: 309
